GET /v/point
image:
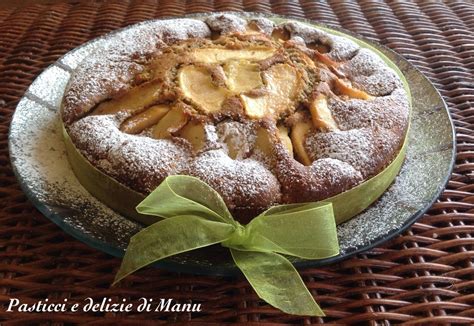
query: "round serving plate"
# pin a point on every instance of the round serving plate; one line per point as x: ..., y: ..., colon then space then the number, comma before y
x: 40, y: 163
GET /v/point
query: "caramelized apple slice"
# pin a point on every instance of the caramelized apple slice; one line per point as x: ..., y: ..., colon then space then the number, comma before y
x: 283, y: 85
x: 215, y: 55
x: 195, y: 133
x: 283, y: 81
x: 264, y: 141
x: 298, y: 137
x: 145, y: 119
x: 324, y: 59
x: 255, y: 107
x: 321, y: 115
x: 318, y: 46
x: 345, y: 89
x: 196, y: 84
x: 136, y: 99
x: 285, y: 139
x: 173, y: 121
x: 242, y: 76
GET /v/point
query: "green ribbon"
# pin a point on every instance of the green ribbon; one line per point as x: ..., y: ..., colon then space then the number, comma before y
x: 189, y: 214
x: 195, y: 216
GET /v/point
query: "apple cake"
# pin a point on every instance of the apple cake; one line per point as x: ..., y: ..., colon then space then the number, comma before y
x: 265, y: 114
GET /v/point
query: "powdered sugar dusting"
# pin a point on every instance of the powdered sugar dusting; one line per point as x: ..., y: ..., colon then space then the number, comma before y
x: 121, y: 57
x: 56, y: 79
x: 139, y: 161
x: 368, y: 72
x: 94, y: 135
x: 322, y: 179
x: 245, y: 183
x: 412, y: 189
x: 390, y: 112
x: 146, y: 162
x: 237, y: 135
x: 39, y: 157
x: 76, y: 56
x: 225, y: 23
x: 334, y: 171
x: 367, y: 150
x: 266, y: 26
x: 211, y: 139
x: 340, y: 48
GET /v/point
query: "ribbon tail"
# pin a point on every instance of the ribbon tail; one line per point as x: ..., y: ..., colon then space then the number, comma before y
x: 276, y: 281
x: 170, y: 237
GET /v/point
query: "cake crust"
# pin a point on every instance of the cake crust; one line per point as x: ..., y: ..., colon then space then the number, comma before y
x: 229, y: 156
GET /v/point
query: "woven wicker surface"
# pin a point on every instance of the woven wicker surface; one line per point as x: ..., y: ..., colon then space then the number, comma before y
x: 425, y: 276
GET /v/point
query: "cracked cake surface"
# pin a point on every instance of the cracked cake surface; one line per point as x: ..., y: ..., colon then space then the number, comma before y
x: 265, y: 114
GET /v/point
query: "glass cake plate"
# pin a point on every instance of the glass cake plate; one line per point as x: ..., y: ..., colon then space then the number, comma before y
x: 40, y: 163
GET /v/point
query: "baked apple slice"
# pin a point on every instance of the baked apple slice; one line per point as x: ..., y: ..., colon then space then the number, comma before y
x: 321, y: 115
x: 283, y: 85
x: 324, y: 59
x: 298, y: 138
x: 145, y: 119
x: 285, y: 139
x: 195, y: 133
x: 266, y: 139
x: 216, y: 55
x: 197, y: 86
x: 134, y: 100
x: 242, y: 76
x: 264, y: 142
x: 346, y: 89
x: 172, y: 122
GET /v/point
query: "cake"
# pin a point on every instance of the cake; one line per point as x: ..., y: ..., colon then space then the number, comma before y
x: 265, y: 114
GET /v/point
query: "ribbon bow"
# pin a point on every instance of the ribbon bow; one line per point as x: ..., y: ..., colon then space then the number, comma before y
x: 195, y: 216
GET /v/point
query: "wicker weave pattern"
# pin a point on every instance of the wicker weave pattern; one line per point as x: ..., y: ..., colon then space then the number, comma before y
x: 425, y: 276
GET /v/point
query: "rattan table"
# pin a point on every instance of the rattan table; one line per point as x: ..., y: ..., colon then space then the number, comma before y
x: 424, y: 276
